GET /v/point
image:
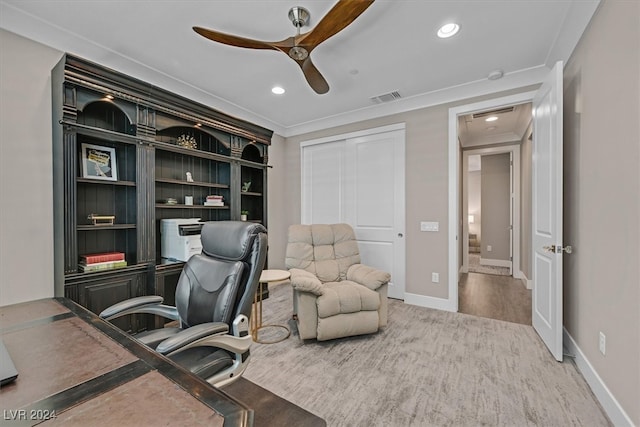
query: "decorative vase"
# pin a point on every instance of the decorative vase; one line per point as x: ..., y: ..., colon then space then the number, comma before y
x: 243, y: 217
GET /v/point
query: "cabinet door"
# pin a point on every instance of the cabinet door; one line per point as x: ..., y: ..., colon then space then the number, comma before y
x: 100, y: 294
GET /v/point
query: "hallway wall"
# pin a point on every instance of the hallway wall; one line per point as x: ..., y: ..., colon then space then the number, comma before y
x: 602, y: 203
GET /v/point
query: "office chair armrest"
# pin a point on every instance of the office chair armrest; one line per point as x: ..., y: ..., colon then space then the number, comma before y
x: 304, y: 281
x: 150, y: 304
x: 367, y: 276
x: 190, y: 335
x: 212, y: 334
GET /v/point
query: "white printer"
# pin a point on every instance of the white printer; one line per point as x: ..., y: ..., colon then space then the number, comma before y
x: 180, y: 238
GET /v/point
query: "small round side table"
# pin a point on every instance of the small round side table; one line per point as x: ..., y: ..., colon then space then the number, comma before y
x: 266, y: 277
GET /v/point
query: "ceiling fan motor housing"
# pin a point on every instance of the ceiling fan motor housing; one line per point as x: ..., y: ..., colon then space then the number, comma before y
x: 299, y: 16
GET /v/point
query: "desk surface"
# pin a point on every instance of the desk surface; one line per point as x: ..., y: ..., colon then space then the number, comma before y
x: 77, y: 369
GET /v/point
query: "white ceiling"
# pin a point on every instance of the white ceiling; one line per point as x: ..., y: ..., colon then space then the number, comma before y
x: 392, y: 45
x: 510, y: 126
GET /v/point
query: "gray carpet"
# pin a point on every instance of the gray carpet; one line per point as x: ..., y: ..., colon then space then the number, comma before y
x: 476, y: 267
x: 426, y: 368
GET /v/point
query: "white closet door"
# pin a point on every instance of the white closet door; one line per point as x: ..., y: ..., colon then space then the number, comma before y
x: 359, y: 179
x: 375, y: 202
x: 322, y: 183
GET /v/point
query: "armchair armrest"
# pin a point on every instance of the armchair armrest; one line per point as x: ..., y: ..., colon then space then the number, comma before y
x: 212, y: 334
x: 302, y: 280
x: 150, y: 304
x: 368, y: 276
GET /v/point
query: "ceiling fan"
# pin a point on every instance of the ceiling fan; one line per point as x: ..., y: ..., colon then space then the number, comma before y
x: 299, y: 47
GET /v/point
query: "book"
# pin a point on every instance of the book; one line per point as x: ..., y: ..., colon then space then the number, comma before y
x: 102, y: 266
x: 102, y: 257
x: 210, y: 203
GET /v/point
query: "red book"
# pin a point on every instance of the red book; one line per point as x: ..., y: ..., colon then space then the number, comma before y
x: 102, y: 257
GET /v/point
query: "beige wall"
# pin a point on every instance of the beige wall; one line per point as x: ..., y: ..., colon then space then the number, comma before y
x: 26, y: 210
x: 602, y: 193
x: 426, y: 190
x: 496, y: 176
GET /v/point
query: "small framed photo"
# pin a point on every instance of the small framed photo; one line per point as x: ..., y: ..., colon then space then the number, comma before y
x: 99, y: 162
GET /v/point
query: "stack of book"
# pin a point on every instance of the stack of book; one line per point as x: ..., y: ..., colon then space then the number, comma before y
x: 101, y: 261
x: 214, y: 200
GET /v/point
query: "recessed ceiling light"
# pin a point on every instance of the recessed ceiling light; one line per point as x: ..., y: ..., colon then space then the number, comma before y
x: 491, y: 119
x: 448, y: 30
x: 277, y: 90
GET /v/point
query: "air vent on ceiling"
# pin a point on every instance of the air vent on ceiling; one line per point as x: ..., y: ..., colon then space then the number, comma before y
x: 493, y: 112
x: 387, y: 97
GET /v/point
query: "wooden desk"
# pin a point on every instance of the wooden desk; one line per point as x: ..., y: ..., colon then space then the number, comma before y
x: 74, y: 368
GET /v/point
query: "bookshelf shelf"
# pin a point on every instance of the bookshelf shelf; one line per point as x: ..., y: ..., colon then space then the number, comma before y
x: 106, y: 227
x: 93, y: 181
x: 164, y: 206
x: 191, y: 184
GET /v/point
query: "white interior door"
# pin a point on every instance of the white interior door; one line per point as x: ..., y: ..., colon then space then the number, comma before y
x: 375, y: 202
x: 358, y: 178
x: 547, y: 211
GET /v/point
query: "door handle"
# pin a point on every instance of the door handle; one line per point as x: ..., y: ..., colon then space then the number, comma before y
x: 556, y: 249
x: 400, y: 235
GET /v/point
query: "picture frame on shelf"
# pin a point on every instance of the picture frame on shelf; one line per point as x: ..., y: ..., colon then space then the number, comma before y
x: 99, y: 162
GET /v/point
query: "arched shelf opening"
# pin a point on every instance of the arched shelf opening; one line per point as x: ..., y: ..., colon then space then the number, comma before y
x: 252, y: 154
x: 106, y: 115
x: 188, y: 136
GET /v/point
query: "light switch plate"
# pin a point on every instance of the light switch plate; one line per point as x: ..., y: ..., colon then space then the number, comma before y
x: 429, y: 226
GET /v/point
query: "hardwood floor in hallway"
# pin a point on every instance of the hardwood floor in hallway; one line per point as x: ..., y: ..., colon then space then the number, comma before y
x: 495, y: 297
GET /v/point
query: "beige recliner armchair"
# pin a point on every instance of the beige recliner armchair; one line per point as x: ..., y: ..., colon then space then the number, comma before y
x: 334, y: 295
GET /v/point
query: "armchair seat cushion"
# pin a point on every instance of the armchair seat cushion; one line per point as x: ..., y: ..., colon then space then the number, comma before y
x: 346, y: 297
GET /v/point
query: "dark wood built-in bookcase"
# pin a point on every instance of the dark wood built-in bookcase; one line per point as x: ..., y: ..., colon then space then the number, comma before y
x: 122, y: 149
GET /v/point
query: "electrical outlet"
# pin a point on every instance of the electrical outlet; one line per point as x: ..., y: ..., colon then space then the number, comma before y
x: 435, y: 277
x: 489, y: 248
x: 602, y: 344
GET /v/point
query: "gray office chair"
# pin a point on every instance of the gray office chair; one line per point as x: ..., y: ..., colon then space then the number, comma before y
x: 213, y: 303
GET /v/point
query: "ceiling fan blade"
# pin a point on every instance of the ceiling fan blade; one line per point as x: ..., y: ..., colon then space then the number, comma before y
x: 232, y: 40
x: 339, y: 17
x: 313, y: 76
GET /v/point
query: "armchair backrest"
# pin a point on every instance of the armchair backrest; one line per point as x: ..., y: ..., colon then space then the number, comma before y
x: 325, y: 250
x: 220, y: 283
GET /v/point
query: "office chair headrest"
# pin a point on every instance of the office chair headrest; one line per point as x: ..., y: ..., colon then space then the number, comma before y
x: 230, y: 240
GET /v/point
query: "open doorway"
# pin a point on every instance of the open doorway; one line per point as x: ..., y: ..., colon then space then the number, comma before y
x: 545, y: 246
x: 491, y: 150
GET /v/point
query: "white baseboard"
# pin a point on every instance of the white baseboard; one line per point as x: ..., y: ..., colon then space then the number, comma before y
x: 520, y: 275
x: 495, y: 262
x: 614, y: 411
x: 429, y: 302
